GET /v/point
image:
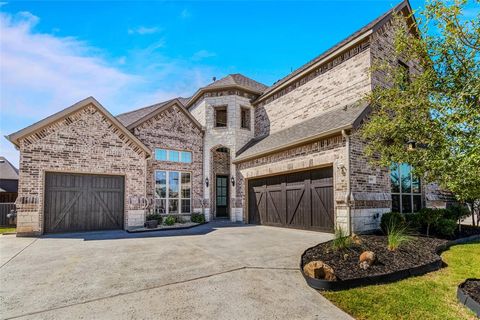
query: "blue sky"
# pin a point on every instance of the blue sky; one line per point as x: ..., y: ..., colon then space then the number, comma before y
x: 132, y: 54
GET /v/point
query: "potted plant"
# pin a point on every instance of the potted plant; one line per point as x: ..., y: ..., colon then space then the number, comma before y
x: 152, y: 221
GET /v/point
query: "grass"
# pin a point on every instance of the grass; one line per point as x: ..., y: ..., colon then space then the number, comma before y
x: 342, y: 240
x: 7, y: 229
x: 396, y: 237
x: 432, y: 296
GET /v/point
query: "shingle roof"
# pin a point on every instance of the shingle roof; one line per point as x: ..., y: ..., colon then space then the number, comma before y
x: 130, y: 117
x: 7, y: 170
x: 239, y: 80
x: 340, y: 44
x: 325, y: 123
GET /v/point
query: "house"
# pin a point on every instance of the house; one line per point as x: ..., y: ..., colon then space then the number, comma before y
x: 284, y: 155
x: 8, y: 181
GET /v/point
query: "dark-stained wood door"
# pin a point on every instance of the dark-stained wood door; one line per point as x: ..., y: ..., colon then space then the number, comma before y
x: 301, y: 200
x: 82, y: 202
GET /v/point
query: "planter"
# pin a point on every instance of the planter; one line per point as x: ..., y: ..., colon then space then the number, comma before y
x: 151, y: 224
x: 466, y: 299
x: 321, y: 284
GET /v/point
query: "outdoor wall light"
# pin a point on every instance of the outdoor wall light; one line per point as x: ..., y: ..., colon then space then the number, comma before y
x: 206, y: 182
x: 233, y: 181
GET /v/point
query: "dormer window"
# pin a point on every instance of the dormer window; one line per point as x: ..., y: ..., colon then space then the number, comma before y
x: 245, y: 118
x: 221, y: 117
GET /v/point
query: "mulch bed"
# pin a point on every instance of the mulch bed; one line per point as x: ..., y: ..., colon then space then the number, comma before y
x: 419, y: 251
x: 472, y: 288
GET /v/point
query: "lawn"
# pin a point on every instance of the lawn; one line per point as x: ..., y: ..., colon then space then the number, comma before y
x: 432, y: 296
x: 7, y: 229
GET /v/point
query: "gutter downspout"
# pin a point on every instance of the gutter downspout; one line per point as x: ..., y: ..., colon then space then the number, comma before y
x: 348, y: 195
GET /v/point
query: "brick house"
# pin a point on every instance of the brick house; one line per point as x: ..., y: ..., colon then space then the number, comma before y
x: 286, y: 155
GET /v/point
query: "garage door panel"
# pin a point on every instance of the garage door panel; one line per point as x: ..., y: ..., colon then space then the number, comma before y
x: 302, y: 200
x: 80, y: 202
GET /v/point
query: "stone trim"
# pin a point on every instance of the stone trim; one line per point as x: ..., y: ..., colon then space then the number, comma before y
x: 219, y: 92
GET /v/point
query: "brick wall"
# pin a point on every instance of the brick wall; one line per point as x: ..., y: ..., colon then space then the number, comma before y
x: 172, y: 129
x: 83, y: 142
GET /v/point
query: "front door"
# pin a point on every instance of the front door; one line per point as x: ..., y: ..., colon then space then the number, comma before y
x: 222, y: 196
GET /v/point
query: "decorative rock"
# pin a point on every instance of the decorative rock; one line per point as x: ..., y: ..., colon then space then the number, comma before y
x: 356, y: 239
x: 367, y: 258
x: 319, y: 270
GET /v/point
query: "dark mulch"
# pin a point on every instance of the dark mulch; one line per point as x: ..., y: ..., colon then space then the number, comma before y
x: 472, y: 288
x: 418, y: 251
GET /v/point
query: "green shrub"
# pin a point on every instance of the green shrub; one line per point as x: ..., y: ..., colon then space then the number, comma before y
x: 413, y: 221
x: 445, y: 227
x: 197, y: 218
x: 154, y: 217
x: 457, y: 212
x: 169, y: 220
x: 342, y: 240
x: 431, y: 216
x: 392, y: 219
x: 397, y: 235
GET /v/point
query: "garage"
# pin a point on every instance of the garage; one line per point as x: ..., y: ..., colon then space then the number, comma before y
x: 83, y: 202
x: 301, y: 200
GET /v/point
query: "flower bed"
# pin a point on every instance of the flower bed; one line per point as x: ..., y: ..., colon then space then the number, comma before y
x: 468, y: 293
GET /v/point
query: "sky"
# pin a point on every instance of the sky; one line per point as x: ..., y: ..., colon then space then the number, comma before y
x: 132, y: 54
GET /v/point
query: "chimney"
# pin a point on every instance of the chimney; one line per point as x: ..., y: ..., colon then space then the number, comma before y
x: 214, y: 79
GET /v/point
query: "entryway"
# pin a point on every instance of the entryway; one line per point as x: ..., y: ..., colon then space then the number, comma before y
x: 221, y: 193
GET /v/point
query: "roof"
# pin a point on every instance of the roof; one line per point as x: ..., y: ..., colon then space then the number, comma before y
x: 15, y: 137
x: 130, y: 117
x: 152, y: 111
x: 325, y: 124
x: 232, y: 80
x: 7, y: 170
x: 370, y: 26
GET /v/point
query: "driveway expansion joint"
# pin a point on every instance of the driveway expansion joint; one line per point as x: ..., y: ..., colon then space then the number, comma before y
x: 18, y: 253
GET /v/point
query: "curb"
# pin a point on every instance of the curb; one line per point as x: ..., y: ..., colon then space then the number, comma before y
x: 166, y: 229
x: 466, y: 300
x: 320, y: 284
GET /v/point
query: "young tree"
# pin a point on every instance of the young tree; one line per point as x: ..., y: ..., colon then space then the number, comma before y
x: 436, y: 107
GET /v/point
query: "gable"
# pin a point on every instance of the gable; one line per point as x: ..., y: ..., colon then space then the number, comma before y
x: 64, y: 122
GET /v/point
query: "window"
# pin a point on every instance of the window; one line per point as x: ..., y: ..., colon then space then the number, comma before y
x: 221, y: 117
x: 173, y: 155
x: 245, y: 118
x: 172, y: 192
x: 405, y: 77
x: 406, y: 189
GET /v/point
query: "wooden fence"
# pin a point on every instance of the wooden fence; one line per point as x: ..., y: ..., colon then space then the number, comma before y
x: 5, y: 209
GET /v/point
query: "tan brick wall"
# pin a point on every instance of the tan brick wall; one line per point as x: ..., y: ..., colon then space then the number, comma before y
x: 84, y: 142
x: 343, y: 84
x: 172, y: 129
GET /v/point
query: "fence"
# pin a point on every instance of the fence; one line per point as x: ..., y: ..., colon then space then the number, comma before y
x: 5, y: 209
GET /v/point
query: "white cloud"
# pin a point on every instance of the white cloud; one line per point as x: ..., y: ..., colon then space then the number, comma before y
x: 185, y: 14
x: 144, y: 30
x: 203, y: 54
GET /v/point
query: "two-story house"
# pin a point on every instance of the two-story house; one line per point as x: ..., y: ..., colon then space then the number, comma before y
x: 284, y: 155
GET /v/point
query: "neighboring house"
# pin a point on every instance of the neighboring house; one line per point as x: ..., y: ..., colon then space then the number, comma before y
x: 285, y: 155
x: 8, y: 181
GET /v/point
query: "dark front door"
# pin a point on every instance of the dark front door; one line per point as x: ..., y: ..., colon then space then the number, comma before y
x: 222, y: 196
x: 302, y: 200
x: 82, y: 202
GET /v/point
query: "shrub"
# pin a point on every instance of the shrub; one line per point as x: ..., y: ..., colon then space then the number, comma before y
x: 390, y: 219
x: 397, y: 235
x: 179, y: 219
x: 413, y: 221
x: 457, y: 213
x: 197, y: 218
x: 445, y: 227
x: 170, y: 220
x: 341, y: 240
x: 431, y: 216
x: 154, y: 217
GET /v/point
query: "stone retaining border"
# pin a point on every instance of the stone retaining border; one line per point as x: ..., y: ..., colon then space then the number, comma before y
x: 320, y: 284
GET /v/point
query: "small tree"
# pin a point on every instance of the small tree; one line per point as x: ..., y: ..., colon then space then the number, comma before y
x: 430, y: 216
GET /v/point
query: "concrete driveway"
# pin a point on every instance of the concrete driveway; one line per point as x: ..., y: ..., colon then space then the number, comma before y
x: 215, y: 271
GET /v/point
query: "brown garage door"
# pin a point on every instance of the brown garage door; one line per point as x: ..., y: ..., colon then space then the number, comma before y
x: 302, y: 200
x: 81, y: 202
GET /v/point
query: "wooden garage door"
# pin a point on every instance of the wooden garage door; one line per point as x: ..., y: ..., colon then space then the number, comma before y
x: 302, y: 200
x: 81, y: 202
